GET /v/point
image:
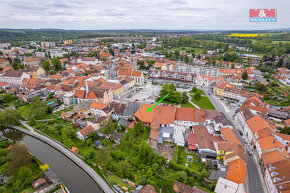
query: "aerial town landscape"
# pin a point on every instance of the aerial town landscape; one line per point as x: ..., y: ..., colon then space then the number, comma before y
x: 144, y: 111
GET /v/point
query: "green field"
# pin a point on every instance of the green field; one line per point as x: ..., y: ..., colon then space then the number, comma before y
x: 184, y: 49
x: 188, y: 105
x: 198, y: 90
x: 203, y: 103
x: 277, y: 42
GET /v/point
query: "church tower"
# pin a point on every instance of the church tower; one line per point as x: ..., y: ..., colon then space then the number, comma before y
x: 133, y: 58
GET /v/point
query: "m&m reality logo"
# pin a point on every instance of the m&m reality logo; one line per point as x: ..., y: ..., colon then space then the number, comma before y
x: 263, y: 15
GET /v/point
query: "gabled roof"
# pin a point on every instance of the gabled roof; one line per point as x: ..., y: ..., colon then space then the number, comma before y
x: 125, y: 72
x: 203, y: 137
x: 229, y: 135
x: 96, y: 105
x: 273, y: 156
x: 158, y: 115
x: 137, y: 73
x: 190, y: 114
x: 81, y: 94
x: 2, y: 84
x: 237, y: 172
x: 85, y: 131
x: 257, y: 123
x: 270, y: 142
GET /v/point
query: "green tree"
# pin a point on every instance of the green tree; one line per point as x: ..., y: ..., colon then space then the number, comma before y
x: 38, y: 108
x: 23, y: 173
x: 184, y: 97
x: 104, y: 157
x: 261, y: 87
x: 280, y: 62
x: 15, y: 65
x: 286, y: 130
x: 124, y: 169
x: 90, y: 155
x: 7, y: 98
x: 9, y: 117
x: 145, y: 153
x: 18, y: 156
x: 56, y: 63
x: 194, y: 89
x: 50, y: 95
x: 197, y: 96
x: 245, y: 75
x: 46, y: 65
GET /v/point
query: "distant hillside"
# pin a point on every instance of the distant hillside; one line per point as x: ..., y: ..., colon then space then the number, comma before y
x: 19, y: 35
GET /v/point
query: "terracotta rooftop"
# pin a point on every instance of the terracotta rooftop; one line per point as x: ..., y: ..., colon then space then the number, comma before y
x: 273, y: 156
x: 270, y: 142
x: 237, y: 172
x: 85, y: 131
x: 229, y: 135
x: 203, y: 137
x: 257, y: 123
x: 279, y: 173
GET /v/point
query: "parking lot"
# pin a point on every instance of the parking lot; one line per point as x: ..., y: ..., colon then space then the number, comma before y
x: 149, y: 93
x: 146, y: 94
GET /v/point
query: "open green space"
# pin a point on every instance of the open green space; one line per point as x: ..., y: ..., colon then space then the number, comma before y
x: 117, y: 180
x: 188, y: 105
x: 197, y: 91
x: 182, y: 159
x: 203, y: 103
x: 184, y: 49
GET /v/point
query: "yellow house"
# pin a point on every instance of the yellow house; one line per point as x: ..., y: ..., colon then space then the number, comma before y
x: 116, y: 87
x: 37, y: 73
x: 223, y: 150
x: 131, y: 82
x: 220, y: 87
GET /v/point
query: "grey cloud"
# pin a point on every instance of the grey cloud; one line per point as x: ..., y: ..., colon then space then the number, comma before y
x: 125, y: 14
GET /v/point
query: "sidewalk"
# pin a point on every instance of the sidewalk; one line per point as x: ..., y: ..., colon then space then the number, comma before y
x: 190, y: 98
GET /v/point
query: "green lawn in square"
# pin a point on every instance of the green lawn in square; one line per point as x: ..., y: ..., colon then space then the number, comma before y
x: 188, y: 105
x: 203, y: 103
x: 198, y: 91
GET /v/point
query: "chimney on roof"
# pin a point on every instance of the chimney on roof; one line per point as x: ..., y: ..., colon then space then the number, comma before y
x: 273, y: 141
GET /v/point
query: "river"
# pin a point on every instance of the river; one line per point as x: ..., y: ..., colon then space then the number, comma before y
x: 76, y: 180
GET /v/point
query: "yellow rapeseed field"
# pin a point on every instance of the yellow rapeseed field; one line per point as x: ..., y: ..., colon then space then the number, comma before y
x: 245, y: 35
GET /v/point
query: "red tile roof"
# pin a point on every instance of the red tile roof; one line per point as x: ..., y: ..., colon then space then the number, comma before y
x: 85, y: 131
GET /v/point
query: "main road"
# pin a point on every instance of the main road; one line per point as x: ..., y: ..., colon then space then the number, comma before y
x: 254, y: 178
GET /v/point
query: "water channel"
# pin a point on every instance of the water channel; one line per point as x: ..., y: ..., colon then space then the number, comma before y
x: 76, y: 180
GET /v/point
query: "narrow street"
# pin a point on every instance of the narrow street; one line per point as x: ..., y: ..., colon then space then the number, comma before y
x: 254, y: 182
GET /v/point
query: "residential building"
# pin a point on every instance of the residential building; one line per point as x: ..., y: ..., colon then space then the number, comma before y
x: 14, y: 77
x: 226, y: 186
x: 4, y: 62
x: 277, y: 176
x: 83, y: 133
x: 32, y: 62
x: 47, y: 44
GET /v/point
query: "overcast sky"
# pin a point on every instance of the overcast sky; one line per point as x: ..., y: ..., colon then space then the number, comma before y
x: 139, y: 14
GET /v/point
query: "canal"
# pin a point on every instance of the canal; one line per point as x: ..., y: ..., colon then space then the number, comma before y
x: 76, y: 180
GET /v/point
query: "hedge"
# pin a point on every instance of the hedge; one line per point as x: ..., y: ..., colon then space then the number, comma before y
x: 174, y: 165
